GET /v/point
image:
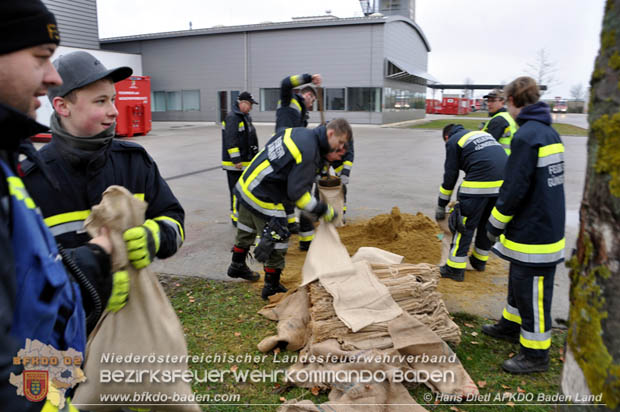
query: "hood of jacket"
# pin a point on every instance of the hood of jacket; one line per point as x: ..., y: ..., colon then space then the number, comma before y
x: 538, y: 111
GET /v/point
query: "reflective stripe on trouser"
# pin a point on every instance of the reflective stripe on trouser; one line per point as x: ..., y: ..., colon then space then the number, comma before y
x: 232, y: 181
x: 248, y: 226
x: 530, y: 291
x: 477, y: 211
x: 306, y: 229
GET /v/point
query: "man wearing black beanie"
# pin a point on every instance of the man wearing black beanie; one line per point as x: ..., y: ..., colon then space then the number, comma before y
x: 38, y: 299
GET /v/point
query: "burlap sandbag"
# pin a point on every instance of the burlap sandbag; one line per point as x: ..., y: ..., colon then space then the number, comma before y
x: 293, y: 316
x: 334, y: 196
x: 146, y: 326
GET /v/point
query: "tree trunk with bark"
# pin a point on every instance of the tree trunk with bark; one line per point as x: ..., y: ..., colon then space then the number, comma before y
x: 593, y: 343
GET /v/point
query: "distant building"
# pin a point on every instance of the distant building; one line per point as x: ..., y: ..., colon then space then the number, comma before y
x: 374, y: 67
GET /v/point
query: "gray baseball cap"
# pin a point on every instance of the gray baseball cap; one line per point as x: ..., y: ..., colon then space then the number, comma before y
x: 79, y: 69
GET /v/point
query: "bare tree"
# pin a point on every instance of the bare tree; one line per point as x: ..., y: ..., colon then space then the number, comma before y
x: 577, y: 91
x: 593, y: 342
x: 543, y: 69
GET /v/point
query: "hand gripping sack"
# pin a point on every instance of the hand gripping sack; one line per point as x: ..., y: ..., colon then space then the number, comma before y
x: 333, y: 195
x: 145, y: 335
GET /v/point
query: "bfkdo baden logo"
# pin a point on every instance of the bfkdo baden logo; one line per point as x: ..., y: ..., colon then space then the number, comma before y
x: 47, y: 373
x: 35, y: 385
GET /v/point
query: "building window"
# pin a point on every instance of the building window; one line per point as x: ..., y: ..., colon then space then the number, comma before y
x: 335, y: 98
x: 234, y: 96
x: 159, y: 102
x: 269, y: 99
x: 364, y: 99
x: 173, y: 101
x: 191, y: 100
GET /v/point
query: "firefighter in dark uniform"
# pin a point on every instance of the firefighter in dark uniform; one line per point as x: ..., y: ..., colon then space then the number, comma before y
x: 501, y: 125
x: 293, y: 108
x: 239, y: 143
x: 283, y: 172
x: 483, y: 159
x: 39, y: 299
x: 83, y: 159
x: 293, y: 111
x: 528, y: 219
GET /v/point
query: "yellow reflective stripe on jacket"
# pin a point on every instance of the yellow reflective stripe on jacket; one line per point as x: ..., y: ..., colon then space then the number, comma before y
x: 501, y: 217
x: 445, y: 191
x: 246, y: 191
x: 540, y: 249
x: 241, y: 124
x: 548, y: 150
x: 176, y: 222
x: 476, y: 133
x: 296, y: 80
x: 531, y: 253
x: 139, y: 196
x: 79, y: 215
x: 482, y: 185
x: 233, y: 150
x: 306, y: 202
x: 347, y: 163
x: 296, y: 103
x: 17, y: 189
x: 338, y: 170
x: 291, y: 146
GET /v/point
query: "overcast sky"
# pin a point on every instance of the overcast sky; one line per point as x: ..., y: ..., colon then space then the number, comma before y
x: 487, y: 41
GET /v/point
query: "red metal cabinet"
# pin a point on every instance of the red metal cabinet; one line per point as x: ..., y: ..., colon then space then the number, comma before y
x: 133, y: 102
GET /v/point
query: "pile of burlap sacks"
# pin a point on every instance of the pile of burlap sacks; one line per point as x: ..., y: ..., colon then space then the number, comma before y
x: 366, y: 313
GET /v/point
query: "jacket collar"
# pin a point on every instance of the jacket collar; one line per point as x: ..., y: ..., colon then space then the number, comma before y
x: 502, y: 109
x: 16, y: 127
x: 321, y: 134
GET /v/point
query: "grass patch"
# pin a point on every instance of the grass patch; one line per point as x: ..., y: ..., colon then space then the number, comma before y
x: 562, y: 128
x: 221, y: 318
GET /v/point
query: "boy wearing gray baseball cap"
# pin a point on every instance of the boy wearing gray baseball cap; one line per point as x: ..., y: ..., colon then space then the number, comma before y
x: 84, y: 159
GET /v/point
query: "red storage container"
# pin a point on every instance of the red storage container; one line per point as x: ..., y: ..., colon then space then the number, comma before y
x: 133, y: 101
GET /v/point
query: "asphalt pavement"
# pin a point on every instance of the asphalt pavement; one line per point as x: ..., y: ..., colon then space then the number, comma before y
x: 393, y: 167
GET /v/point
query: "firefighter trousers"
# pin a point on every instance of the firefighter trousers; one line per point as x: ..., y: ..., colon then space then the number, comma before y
x: 248, y: 226
x: 475, y: 212
x: 232, y: 176
x: 530, y: 291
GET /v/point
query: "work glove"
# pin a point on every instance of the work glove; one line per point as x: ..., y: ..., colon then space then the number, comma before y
x: 293, y: 228
x: 142, y: 243
x: 330, y: 214
x: 344, y: 179
x: 492, y: 237
x: 440, y: 213
x: 120, y: 291
x: 273, y: 232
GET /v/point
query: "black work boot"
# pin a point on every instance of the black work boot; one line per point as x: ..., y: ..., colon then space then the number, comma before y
x: 477, y: 264
x: 452, y: 273
x: 238, y: 268
x: 272, y: 283
x: 498, y: 332
x: 525, y: 364
x: 304, y: 245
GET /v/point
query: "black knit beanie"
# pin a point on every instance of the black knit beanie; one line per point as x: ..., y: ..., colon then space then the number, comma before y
x: 25, y: 23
